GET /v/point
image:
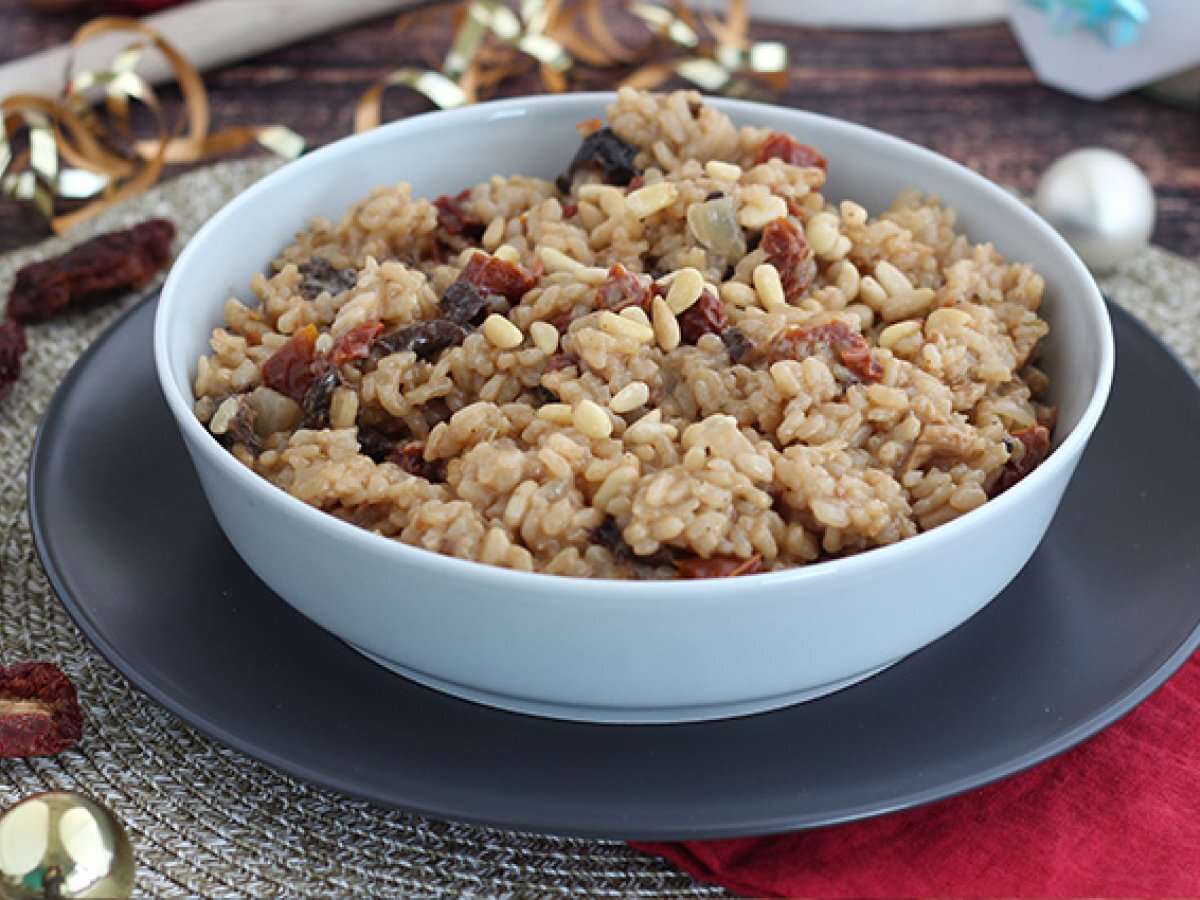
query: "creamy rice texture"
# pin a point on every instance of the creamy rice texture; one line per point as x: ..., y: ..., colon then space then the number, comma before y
x: 701, y: 367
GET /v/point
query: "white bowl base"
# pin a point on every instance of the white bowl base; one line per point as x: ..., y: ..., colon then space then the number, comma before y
x: 616, y: 715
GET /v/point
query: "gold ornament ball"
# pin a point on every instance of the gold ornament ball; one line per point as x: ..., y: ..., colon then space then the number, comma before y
x: 63, y: 844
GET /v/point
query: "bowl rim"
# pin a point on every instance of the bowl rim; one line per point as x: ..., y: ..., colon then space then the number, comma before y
x: 861, y: 564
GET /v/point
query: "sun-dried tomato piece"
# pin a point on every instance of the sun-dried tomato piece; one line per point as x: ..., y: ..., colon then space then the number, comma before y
x: 495, y: 276
x: 463, y: 304
x: 589, y: 127
x: 836, y: 343
x: 426, y: 339
x: 788, y: 251
x: 608, y: 535
x: 1035, y: 443
x: 620, y: 289
x: 736, y: 343
x: 289, y: 369
x: 543, y: 395
x: 411, y: 458
x: 569, y: 210
x: 790, y: 150
x: 39, y: 711
x: 318, y: 275
x: 12, y: 348
x: 319, y: 397
x: 560, y: 360
x: 98, y: 269
x: 455, y: 220
x: 562, y: 322
x: 375, y: 444
x: 602, y: 151
x: 718, y: 566
x: 354, y: 344
x: 240, y: 429
x: 706, y: 316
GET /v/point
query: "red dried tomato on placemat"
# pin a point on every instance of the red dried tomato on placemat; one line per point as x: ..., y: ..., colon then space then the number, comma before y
x: 39, y: 711
x: 98, y: 269
x: 12, y: 348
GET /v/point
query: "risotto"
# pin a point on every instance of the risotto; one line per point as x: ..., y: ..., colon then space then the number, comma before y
x: 679, y: 359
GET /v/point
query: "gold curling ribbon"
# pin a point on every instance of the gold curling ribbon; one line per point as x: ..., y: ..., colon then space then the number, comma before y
x: 717, y: 66
x: 560, y: 37
x: 469, y: 69
x: 104, y: 163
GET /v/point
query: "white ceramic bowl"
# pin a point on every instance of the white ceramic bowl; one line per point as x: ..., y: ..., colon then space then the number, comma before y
x: 603, y: 650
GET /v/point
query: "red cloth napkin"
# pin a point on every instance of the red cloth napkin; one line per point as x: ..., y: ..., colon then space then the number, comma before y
x: 1118, y: 816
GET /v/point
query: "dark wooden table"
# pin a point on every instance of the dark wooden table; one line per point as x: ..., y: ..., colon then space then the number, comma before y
x: 968, y: 94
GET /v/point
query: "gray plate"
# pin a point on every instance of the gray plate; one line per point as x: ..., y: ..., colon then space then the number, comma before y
x: 1107, y: 609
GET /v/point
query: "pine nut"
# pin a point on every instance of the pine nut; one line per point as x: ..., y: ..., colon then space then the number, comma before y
x: 590, y: 419
x: 822, y: 232
x: 508, y: 253
x: 502, y: 333
x: 866, y: 315
x: 947, y: 320
x: 558, y: 413
x: 848, y: 280
x: 545, y: 337
x: 853, y: 214
x: 686, y: 288
x: 888, y: 397
x: 594, y: 192
x: 618, y: 482
x: 518, y: 503
x: 557, y: 261
x: 495, y: 546
x: 872, y: 292
x: 769, y: 286
x: 343, y: 408
x: 666, y: 326
x: 617, y: 326
x: 635, y: 314
x: 612, y: 202
x: 630, y: 397
x: 324, y: 343
x: 756, y: 213
x: 646, y: 201
x: 908, y: 304
x: 891, y: 279
x: 841, y: 247
x: 894, y: 334
x: 722, y: 171
x: 494, y: 233
x: 788, y: 376
x: 737, y: 294
x: 648, y: 427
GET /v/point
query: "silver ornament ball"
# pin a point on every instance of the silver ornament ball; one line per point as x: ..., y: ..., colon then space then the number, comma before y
x: 1101, y: 202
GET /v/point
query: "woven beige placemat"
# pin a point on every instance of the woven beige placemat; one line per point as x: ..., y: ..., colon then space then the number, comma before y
x: 206, y: 820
